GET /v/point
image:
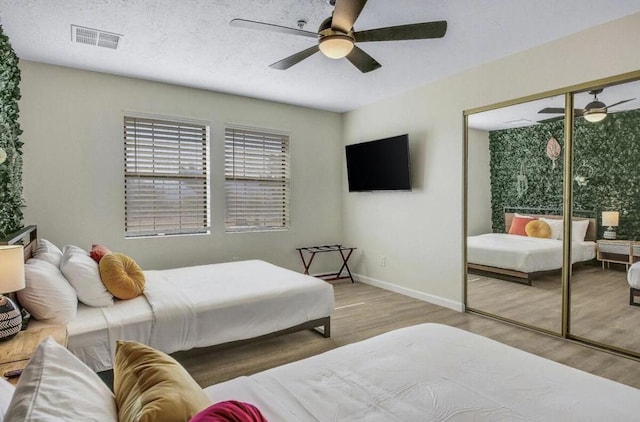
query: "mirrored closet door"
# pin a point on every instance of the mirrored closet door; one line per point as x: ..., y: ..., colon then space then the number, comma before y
x: 514, y: 212
x: 605, y: 308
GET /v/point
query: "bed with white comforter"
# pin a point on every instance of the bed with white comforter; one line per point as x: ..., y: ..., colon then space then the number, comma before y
x: 201, y: 306
x: 522, y: 253
x: 430, y: 372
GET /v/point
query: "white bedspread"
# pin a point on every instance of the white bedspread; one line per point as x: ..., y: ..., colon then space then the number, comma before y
x: 431, y: 372
x: 201, y: 306
x: 633, y: 275
x: 522, y: 253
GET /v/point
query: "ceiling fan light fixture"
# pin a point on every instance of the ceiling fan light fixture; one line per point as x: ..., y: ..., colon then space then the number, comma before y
x: 336, y: 46
x: 595, y: 111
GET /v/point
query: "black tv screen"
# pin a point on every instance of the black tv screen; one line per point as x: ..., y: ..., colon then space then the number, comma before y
x: 379, y: 165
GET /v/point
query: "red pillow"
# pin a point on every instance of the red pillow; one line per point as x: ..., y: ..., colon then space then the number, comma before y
x: 98, y: 251
x: 518, y: 224
x: 229, y: 411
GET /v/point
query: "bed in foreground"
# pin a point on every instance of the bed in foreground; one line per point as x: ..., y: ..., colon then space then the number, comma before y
x: 427, y: 372
x: 430, y: 372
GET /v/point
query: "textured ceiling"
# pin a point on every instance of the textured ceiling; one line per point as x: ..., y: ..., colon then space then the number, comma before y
x: 190, y: 42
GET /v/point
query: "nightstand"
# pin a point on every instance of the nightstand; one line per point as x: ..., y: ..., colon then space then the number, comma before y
x: 618, y: 251
x: 16, y: 352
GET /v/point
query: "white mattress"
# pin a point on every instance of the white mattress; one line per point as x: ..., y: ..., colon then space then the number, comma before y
x: 523, y: 253
x: 431, y: 372
x: 201, y: 306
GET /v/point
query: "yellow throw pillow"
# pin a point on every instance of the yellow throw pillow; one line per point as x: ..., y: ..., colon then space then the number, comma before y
x: 151, y: 386
x: 538, y: 228
x: 121, y: 276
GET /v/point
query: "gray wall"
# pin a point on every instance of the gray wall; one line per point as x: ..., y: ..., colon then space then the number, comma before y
x: 73, y: 166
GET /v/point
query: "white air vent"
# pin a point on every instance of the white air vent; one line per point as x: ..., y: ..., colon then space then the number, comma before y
x: 91, y: 36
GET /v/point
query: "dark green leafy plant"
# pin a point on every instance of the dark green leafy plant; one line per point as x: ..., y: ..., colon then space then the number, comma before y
x: 11, y: 202
x: 606, y: 174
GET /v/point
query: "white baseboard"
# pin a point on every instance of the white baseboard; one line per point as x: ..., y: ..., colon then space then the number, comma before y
x: 436, y: 300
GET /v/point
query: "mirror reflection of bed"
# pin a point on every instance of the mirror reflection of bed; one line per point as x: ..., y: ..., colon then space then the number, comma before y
x: 526, y: 257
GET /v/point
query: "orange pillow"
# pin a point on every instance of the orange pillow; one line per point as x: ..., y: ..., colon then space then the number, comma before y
x: 518, y: 224
x: 121, y: 276
x: 98, y: 252
x: 538, y: 228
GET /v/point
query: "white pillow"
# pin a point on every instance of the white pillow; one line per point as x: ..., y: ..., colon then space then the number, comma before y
x: 579, y: 230
x: 556, y: 227
x: 49, y: 252
x: 57, y: 386
x: 6, y: 393
x: 84, y: 275
x: 47, y: 295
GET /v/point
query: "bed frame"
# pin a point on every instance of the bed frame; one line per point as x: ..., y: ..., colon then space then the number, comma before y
x: 519, y: 276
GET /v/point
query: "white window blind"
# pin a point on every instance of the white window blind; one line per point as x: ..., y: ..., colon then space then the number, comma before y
x: 256, y: 180
x: 165, y: 173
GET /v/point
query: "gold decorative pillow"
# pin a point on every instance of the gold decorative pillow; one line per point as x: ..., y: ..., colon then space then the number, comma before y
x: 121, y: 276
x: 151, y: 386
x: 538, y: 228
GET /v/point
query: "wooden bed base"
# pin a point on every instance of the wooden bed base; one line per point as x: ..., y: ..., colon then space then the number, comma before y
x: 508, y: 275
x: 633, y: 293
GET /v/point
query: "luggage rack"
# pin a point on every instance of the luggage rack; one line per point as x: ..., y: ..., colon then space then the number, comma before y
x: 345, y: 254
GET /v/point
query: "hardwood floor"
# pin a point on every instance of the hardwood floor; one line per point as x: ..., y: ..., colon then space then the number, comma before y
x: 600, y: 309
x: 363, y: 311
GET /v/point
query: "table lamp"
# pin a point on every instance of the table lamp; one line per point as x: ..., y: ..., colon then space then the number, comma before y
x: 610, y: 219
x: 11, y: 280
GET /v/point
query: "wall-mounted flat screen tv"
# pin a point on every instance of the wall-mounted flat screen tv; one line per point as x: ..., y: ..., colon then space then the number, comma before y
x: 380, y: 165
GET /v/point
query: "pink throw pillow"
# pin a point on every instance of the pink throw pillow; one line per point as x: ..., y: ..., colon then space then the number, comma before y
x: 98, y: 252
x: 518, y: 225
x: 229, y: 411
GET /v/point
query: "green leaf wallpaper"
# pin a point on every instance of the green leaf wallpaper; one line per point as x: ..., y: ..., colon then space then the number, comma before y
x: 606, y: 169
x: 11, y: 202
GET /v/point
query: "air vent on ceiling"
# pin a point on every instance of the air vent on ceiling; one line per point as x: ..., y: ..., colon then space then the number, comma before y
x: 83, y: 35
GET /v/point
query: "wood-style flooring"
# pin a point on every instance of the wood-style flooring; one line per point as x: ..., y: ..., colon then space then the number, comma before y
x: 599, y: 311
x: 364, y: 311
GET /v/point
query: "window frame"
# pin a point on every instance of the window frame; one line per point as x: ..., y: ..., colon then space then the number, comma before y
x: 193, y: 147
x: 283, y: 183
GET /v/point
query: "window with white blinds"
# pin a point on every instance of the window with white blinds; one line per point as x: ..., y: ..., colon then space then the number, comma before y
x: 166, y: 177
x: 256, y: 180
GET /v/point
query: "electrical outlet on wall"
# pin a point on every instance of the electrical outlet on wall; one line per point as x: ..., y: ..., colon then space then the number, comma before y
x: 383, y: 261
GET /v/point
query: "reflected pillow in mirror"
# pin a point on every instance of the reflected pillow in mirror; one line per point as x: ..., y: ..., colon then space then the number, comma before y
x: 518, y: 224
x: 538, y: 228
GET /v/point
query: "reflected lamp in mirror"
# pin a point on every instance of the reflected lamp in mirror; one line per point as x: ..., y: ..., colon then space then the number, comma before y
x: 11, y: 280
x: 610, y: 219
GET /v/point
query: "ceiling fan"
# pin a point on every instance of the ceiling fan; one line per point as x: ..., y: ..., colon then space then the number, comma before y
x: 337, y: 38
x: 593, y: 112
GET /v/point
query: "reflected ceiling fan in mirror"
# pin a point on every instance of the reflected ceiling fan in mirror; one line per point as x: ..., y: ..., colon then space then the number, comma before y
x: 337, y: 38
x: 593, y: 112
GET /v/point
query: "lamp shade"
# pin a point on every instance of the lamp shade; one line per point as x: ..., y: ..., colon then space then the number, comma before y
x: 336, y: 46
x: 610, y: 218
x: 11, y: 268
x: 595, y: 111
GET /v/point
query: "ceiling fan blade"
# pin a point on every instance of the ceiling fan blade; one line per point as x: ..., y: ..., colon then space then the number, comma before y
x: 364, y: 62
x: 560, y: 110
x: 243, y: 23
x: 552, y: 110
x: 619, y: 102
x: 295, y: 58
x: 345, y: 14
x: 414, y: 31
x: 551, y: 119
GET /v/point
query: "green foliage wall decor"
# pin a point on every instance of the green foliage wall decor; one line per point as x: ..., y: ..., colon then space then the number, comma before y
x: 606, y: 168
x: 11, y: 202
